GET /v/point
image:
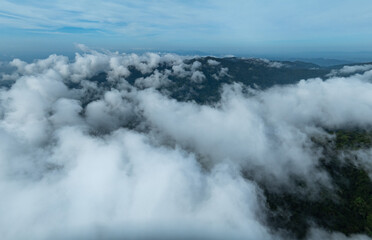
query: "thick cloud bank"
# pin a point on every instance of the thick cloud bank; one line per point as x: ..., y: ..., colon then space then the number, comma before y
x: 79, y: 159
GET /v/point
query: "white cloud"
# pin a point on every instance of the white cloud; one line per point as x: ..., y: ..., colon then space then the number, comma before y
x: 197, y: 76
x: 346, y: 70
x: 155, y: 80
x: 322, y: 234
x: 127, y: 160
x: 222, y: 73
x: 276, y: 64
x: 212, y: 62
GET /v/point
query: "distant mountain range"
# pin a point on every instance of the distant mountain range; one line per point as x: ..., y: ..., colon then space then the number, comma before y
x: 324, y: 62
x: 253, y: 72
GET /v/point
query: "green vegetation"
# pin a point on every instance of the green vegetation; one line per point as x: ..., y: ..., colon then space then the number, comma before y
x: 353, y: 139
x: 250, y: 72
x: 346, y: 208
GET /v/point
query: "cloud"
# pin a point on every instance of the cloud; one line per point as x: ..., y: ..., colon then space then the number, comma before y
x: 115, y: 17
x: 267, y: 62
x: 200, y: 25
x: 82, y: 47
x: 197, y: 76
x: 156, y: 80
x: 212, y: 62
x: 222, y: 73
x: 276, y: 64
x: 353, y: 69
x: 322, y: 234
x: 119, y: 159
x: 348, y: 70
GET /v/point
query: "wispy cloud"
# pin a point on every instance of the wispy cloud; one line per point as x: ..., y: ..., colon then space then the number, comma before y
x: 249, y: 24
x: 133, y: 18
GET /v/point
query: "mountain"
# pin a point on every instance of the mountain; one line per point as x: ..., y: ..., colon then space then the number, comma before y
x: 324, y: 62
x: 255, y: 73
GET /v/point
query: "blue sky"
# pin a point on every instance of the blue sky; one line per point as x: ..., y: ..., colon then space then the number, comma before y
x: 255, y: 27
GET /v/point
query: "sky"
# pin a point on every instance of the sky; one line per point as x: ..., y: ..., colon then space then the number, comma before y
x: 239, y: 27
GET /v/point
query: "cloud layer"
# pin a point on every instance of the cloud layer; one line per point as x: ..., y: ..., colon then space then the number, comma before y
x: 84, y: 159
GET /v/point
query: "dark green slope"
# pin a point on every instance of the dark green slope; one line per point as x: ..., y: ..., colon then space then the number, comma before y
x: 346, y: 207
x: 250, y: 72
x: 255, y: 73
